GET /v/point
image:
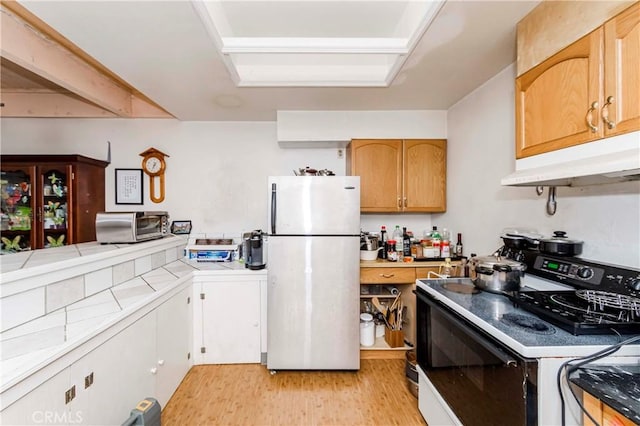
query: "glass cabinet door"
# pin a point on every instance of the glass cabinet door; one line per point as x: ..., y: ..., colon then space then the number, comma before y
x: 55, y: 206
x: 17, y: 206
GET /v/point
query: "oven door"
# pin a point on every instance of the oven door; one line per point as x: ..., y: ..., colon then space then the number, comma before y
x: 481, y: 380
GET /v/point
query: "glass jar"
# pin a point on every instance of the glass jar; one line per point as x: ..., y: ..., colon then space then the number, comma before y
x: 392, y: 254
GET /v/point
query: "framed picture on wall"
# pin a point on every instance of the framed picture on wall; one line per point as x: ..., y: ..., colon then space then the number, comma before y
x: 181, y: 227
x: 129, y: 187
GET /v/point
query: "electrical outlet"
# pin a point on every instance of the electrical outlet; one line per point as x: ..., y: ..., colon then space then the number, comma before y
x: 340, y: 153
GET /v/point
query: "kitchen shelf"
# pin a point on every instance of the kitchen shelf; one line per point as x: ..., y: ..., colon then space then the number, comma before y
x: 384, y: 296
x: 381, y: 350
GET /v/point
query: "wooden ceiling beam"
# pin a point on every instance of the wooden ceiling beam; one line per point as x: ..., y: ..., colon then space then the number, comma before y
x: 29, y: 43
x: 49, y: 105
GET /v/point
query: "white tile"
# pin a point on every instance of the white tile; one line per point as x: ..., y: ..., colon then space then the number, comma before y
x: 94, y: 248
x: 123, y: 272
x: 14, y: 261
x: 142, y: 265
x: 97, y: 281
x: 131, y: 292
x: 25, y: 362
x: 179, y: 268
x: 173, y: 254
x: 64, y: 292
x: 99, y: 304
x: 158, y: 260
x: 54, y: 319
x: 80, y: 328
x: 159, y: 278
x: 22, y: 307
x: 52, y: 255
x: 32, y: 342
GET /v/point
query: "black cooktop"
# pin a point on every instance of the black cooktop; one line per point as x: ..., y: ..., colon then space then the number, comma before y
x: 583, y: 311
x: 606, y: 298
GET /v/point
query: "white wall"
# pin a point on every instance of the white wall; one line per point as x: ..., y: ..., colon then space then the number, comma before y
x: 216, y: 174
x: 481, y: 151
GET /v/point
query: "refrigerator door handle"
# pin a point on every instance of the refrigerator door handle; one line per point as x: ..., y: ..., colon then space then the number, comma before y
x: 273, y: 208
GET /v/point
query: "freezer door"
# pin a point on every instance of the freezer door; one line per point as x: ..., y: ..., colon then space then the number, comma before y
x: 314, y: 205
x: 313, y: 304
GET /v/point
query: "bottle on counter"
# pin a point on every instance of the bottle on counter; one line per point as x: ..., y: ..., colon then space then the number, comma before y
x: 436, y: 239
x: 445, y: 244
x: 406, y: 243
x: 382, y: 254
x: 458, y: 248
x: 392, y: 254
x: 397, y: 236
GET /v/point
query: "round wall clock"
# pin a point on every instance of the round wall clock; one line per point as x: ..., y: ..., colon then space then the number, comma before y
x: 154, y: 165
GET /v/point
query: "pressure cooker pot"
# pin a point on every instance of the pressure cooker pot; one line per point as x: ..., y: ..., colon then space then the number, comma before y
x: 496, y: 274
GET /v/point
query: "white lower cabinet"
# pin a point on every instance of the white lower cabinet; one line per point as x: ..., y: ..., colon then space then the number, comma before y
x: 174, y: 341
x: 149, y: 358
x: 227, y: 321
x: 122, y: 371
x: 44, y: 405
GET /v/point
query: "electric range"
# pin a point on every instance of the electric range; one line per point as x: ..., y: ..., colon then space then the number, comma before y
x: 599, y: 298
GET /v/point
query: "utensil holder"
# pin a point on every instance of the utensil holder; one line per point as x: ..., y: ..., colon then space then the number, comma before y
x: 394, y: 338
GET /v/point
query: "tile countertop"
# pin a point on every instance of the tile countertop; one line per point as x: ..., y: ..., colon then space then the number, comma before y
x: 618, y: 386
x: 35, y: 341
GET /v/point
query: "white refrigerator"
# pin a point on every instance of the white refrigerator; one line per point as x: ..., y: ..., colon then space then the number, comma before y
x: 313, y: 305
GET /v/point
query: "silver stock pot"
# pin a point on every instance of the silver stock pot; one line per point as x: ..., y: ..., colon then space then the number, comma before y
x: 496, y: 274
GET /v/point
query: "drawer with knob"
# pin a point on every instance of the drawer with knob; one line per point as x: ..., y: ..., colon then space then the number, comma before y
x: 387, y: 275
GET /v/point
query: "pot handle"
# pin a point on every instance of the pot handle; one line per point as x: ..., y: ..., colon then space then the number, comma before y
x: 502, y: 268
x: 484, y: 270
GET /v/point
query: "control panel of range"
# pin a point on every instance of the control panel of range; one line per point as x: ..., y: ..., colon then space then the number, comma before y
x: 582, y: 273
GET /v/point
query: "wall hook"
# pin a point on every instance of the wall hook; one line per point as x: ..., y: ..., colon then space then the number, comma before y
x: 539, y: 190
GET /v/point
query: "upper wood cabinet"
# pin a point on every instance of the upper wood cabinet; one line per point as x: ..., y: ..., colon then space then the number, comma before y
x: 587, y: 91
x: 399, y: 175
x: 621, y: 108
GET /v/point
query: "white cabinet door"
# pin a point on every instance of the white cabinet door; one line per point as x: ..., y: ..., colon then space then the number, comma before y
x: 123, y: 374
x: 230, y: 322
x: 44, y: 405
x: 174, y: 331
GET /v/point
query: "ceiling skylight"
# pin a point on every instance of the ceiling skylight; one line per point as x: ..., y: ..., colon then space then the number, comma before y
x: 347, y: 43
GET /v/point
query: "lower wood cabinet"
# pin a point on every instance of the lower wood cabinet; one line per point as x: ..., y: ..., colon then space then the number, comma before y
x: 376, y: 280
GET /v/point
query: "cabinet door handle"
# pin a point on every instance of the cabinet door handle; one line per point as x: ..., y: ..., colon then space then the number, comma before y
x: 399, y: 202
x: 604, y: 113
x: 387, y: 275
x: 153, y: 370
x: 589, y: 117
x: 161, y: 362
x: 405, y: 201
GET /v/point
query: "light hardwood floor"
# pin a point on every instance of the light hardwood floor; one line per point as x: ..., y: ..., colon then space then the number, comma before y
x: 247, y: 394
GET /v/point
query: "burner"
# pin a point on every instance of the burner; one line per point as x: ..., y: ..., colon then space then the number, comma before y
x: 531, y: 324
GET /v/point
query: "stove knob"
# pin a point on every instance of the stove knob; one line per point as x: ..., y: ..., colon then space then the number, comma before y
x: 584, y: 273
x: 634, y: 284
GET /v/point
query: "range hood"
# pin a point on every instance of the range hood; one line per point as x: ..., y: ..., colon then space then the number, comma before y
x: 596, y: 169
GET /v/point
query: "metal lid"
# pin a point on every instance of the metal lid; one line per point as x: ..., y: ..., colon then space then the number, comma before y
x: 490, y: 261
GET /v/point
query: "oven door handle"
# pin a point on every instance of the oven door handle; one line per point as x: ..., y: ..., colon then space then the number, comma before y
x: 477, y: 337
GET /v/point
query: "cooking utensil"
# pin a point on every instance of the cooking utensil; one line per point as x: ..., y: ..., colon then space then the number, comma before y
x: 496, y: 274
x: 560, y: 245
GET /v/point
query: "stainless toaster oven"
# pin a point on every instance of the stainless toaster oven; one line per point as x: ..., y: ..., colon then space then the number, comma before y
x: 131, y: 227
